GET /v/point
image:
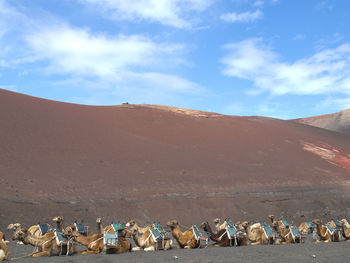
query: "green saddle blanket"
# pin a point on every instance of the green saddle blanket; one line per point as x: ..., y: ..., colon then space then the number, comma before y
x: 61, y: 240
x: 294, y: 231
x: 110, y: 240
x: 196, y: 232
x: 285, y: 223
x: 117, y: 227
x: 156, y: 234
x: 44, y: 228
x: 268, y: 231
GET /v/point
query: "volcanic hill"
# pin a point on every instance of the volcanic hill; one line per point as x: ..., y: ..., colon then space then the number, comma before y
x: 339, y: 122
x: 152, y: 162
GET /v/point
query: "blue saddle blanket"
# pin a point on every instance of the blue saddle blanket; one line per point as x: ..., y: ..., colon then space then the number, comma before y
x: 309, y: 224
x: 110, y: 240
x: 44, y: 228
x: 285, y: 223
x: 336, y: 222
x: 294, y: 231
x: 232, y: 231
x: 195, y: 232
x: 61, y: 240
x: 229, y: 223
x: 117, y: 227
x: 268, y: 231
x: 330, y: 229
x: 156, y: 234
x: 157, y: 225
x: 80, y: 228
x: 262, y: 224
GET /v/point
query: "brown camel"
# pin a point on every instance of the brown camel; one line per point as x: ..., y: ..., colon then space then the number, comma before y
x: 97, y: 243
x: 113, y: 228
x: 325, y: 233
x: 220, y: 237
x: 288, y: 235
x: 185, y: 239
x: 49, y: 244
x: 4, y: 251
x: 257, y: 236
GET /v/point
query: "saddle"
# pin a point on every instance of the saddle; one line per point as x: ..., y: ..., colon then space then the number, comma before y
x: 60, y: 239
x: 110, y: 240
x: 44, y: 228
x: 295, y: 233
x: 80, y: 228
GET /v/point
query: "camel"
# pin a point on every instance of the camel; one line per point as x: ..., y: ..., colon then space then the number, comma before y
x: 325, y: 233
x: 345, y: 229
x: 220, y: 238
x: 112, y: 228
x: 36, y: 230
x: 257, y: 236
x: 49, y: 244
x: 288, y: 235
x: 96, y: 243
x: 4, y: 251
x: 306, y: 227
x: 282, y: 224
x: 132, y: 225
x: 185, y: 239
x: 218, y: 225
x: 149, y: 239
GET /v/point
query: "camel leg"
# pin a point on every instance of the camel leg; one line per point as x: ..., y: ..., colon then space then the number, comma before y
x: 151, y: 248
x: 41, y: 254
x: 136, y: 248
x: 255, y: 243
x: 187, y: 247
x: 86, y: 252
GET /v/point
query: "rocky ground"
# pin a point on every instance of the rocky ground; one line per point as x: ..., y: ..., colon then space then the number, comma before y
x: 300, y: 253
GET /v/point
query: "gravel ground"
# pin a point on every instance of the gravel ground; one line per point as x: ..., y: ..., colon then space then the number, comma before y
x: 300, y: 253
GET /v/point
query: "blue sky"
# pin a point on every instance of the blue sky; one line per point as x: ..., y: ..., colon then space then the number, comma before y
x: 278, y: 58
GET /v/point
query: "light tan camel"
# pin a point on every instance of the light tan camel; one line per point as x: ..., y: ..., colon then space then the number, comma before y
x: 185, y: 239
x: 281, y: 224
x: 59, y: 223
x: 48, y: 244
x: 4, y: 251
x: 345, y: 229
x: 256, y: 235
x: 286, y: 234
x: 305, y: 228
x: 132, y: 225
x: 324, y: 233
x: 34, y: 230
x: 218, y: 225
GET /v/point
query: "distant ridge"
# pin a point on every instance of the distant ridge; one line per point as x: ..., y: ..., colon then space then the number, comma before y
x: 339, y: 122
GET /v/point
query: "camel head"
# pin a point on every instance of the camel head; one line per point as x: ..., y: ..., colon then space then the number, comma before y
x: 20, y: 234
x: 245, y: 224
x: 272, y: 217
x: 57, y: 219
x: 99, y: 220
x: 131, y: 223
x: 204, y: 225
x: 317, y: 221
x: 68, y: 231
x: 172, y: 224
x: 13, y: 226
x: 217, y: 221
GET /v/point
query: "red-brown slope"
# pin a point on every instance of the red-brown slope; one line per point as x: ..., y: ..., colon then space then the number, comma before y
x: 339, y: 122
x: 150, y: 161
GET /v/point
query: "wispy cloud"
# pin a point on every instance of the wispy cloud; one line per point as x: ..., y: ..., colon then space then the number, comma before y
x: 242, y: 17
x: 327, y: 71
x: 167, y: 12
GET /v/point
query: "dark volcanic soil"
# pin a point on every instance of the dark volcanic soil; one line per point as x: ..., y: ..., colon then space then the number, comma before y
x: 158, y: 163
x: 294, y: 253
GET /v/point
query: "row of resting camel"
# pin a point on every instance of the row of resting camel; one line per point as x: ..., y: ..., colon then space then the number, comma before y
x: 113, y: 238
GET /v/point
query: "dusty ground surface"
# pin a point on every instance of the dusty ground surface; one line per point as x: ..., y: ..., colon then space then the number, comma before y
x: 298, y: 253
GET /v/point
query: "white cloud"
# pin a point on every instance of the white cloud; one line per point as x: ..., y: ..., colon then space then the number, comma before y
x: 167, y: 12
x: 78, y: 51
x: 325, y: 72
x: 242, y: 17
